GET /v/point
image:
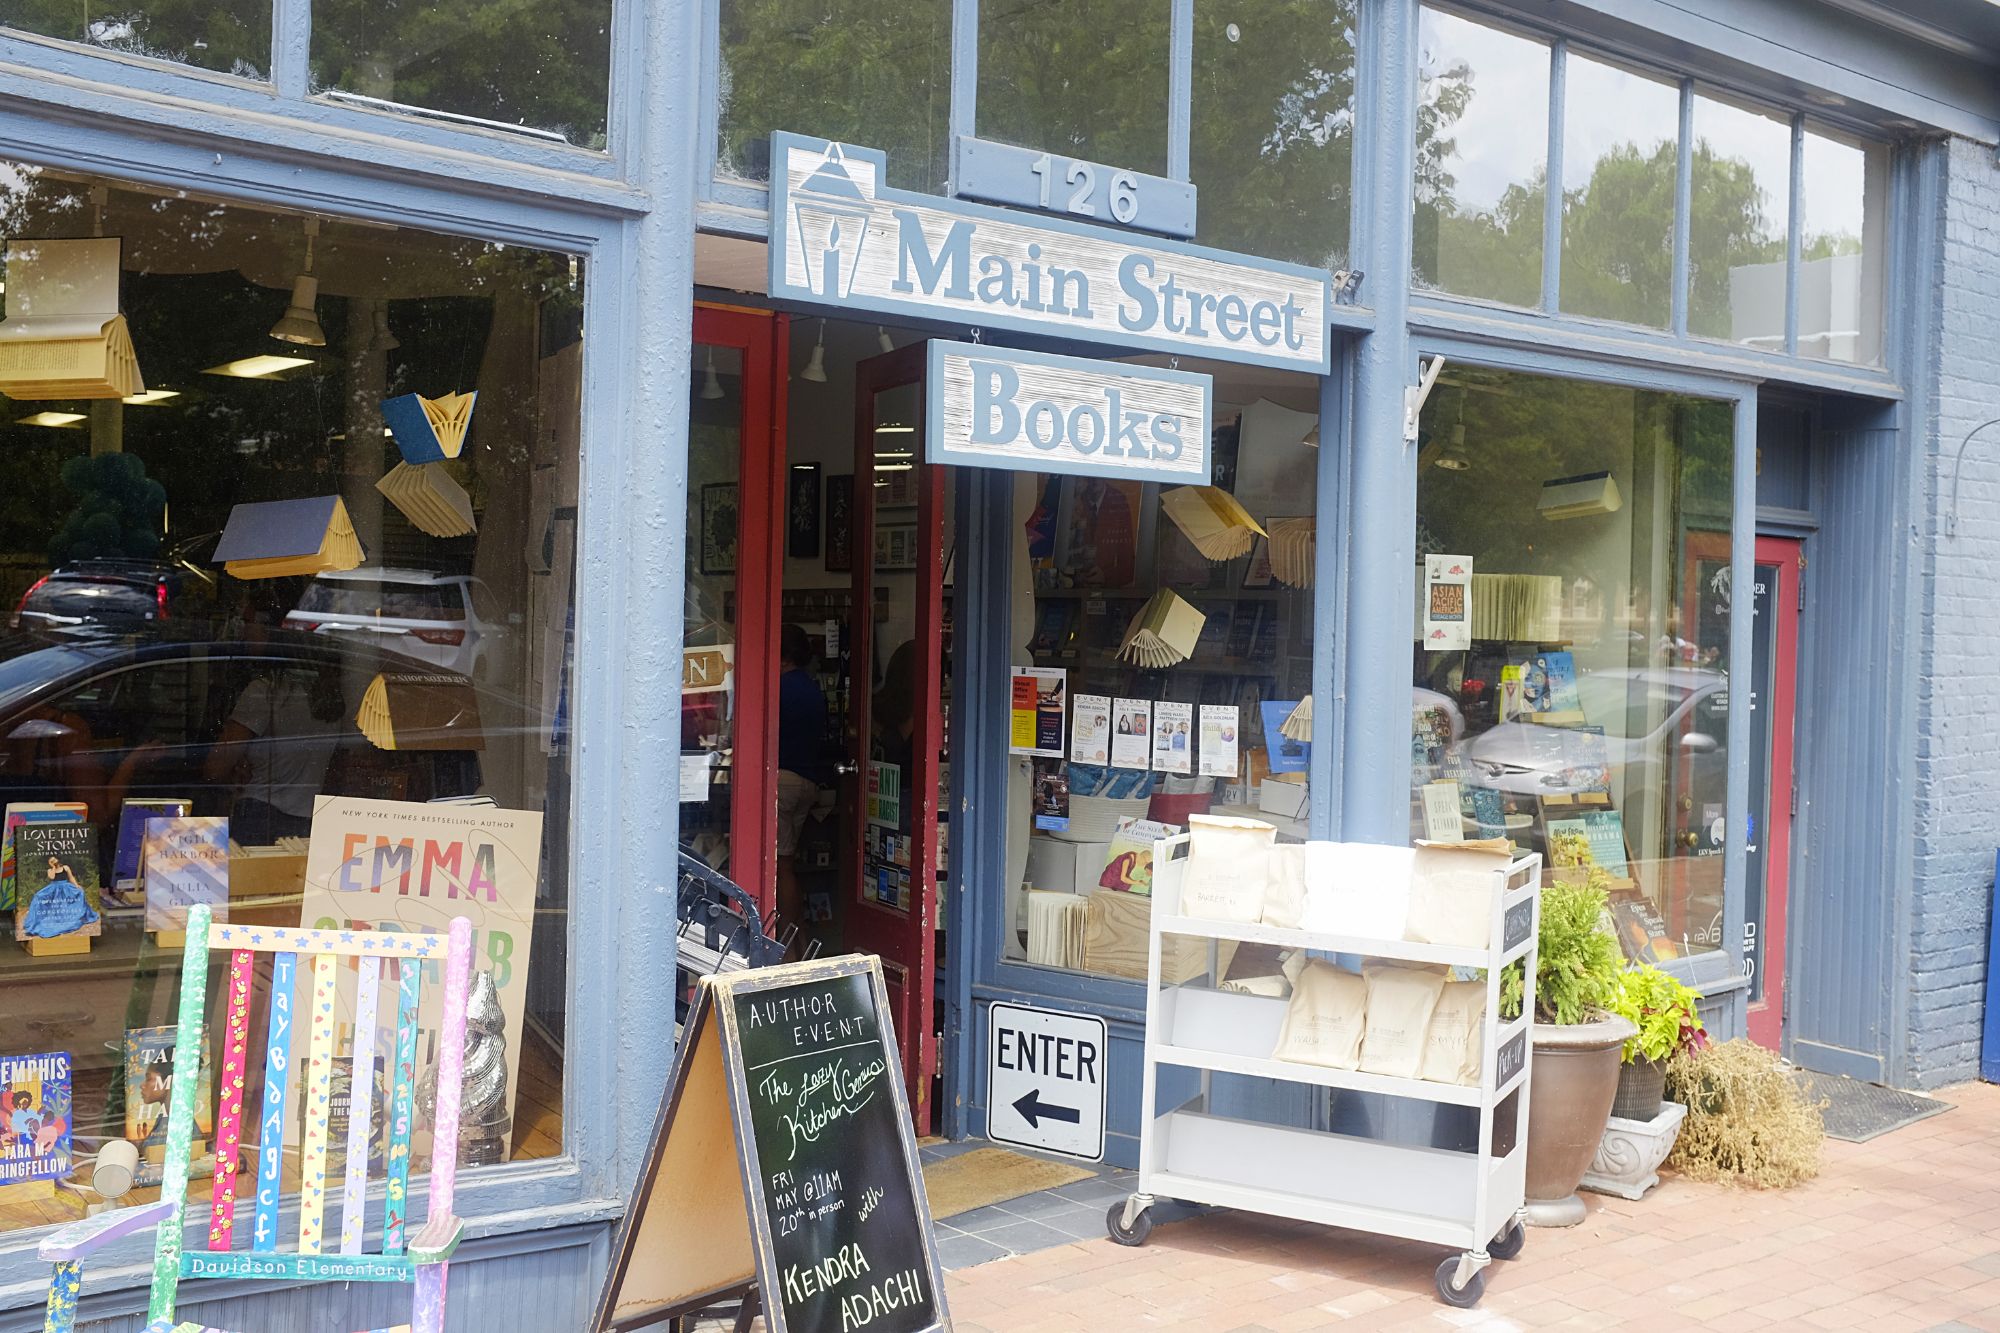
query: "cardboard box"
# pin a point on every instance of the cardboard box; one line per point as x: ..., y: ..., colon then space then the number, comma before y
x: 1066, y: 867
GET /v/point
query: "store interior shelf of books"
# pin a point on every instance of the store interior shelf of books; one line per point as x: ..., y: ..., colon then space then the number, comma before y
x: 1167, y: 671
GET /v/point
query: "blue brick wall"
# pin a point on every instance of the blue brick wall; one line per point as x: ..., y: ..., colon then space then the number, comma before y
x: 1958, y: 736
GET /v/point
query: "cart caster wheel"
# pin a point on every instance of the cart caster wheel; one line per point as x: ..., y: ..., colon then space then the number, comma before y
x: 1464, y: 1297
x: 1507, y: 1245
x: 1134, y: 1235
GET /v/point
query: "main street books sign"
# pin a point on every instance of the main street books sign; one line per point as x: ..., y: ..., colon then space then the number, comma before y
x: 997, y: 407
x: 841, y: 237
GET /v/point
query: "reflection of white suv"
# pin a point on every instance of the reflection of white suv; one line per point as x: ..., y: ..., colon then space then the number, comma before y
x: 447, y: 620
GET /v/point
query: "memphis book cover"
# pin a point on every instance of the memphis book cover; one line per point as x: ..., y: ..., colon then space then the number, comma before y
x: 35, y: 1115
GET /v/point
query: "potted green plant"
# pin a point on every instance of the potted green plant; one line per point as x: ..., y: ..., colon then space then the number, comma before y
x: 1578, y: 1044
x: 1664, y: 1011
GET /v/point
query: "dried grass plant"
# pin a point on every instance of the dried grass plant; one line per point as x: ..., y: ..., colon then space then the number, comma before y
x: 1749, y: 1120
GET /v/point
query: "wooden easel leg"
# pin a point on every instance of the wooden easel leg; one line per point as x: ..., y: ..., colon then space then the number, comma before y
x: 748, y: 1311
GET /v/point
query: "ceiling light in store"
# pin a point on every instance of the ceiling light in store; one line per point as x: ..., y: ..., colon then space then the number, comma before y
x: 59, y: 420
x: 815, y: 370
x: 1452, y: 463
x: 711, y: 386
x: 883, y: 340
x: 259, y: 367
x: 148, y: 397
x: 892, y: 467
x: 300, y: 322
x: 894, y: 453
x: 895, y: 430
x: 382, y: 340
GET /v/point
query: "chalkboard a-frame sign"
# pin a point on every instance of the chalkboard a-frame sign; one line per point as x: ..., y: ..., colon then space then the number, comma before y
x: 782, y: 1162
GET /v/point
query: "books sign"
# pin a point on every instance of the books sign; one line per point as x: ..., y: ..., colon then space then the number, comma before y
x: 840, y: 236
x: 998, y: 407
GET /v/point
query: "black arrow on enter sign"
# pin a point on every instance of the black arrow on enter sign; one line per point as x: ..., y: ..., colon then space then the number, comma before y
x: 1033, y: 1108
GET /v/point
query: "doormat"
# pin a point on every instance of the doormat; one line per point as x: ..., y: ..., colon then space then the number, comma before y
x: 991, y: 1175
x: 1856, y: 1112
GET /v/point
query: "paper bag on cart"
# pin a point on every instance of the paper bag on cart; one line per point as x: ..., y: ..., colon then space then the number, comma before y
x: 1451, y: 891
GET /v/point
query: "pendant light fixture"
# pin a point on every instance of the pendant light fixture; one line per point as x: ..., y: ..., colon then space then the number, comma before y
x: 711, y: 385
x: 299, y: 324
x: 883, y: 340
x: 815, y: 370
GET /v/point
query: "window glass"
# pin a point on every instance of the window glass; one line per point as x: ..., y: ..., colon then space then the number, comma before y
x: 1197, y: 732
x: 1482, y: 160
x: 1621, y: 164
x: 536, y: 67
x: 1739, y: 224
x: 140, y: 675
x: 1271, y: 146
x: 1588, y: 717
x: 233, y: 36
x: 852, y: 70
x: 1087, y: 78
x: 714, y: 522
x: 1841, y: 248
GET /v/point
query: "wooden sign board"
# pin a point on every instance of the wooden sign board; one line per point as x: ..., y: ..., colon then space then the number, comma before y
x: 783, y: 1161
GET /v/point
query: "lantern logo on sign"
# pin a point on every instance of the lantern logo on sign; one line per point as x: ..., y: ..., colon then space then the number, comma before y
x: 830, y: 223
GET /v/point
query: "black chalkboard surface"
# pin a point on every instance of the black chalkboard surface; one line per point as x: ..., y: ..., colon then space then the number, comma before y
x: 783, y: 1164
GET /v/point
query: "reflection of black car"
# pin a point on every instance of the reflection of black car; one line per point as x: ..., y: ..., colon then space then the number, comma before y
x: 96, y: 717
x: 125, y: 596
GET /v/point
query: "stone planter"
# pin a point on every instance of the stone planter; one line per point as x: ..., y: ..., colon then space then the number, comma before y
x: 1575, y: 1079
x: 1628, y: 1157
x: 1642, y: 1086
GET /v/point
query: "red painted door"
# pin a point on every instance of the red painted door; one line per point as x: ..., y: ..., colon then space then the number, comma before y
x: 897, y: 670
x: 735, y: 513
x: 1767, y: 878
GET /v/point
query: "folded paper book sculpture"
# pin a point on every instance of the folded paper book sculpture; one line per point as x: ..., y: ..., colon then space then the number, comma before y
x: 1210, y: 517
x: 63, y: 336
x: 1294, y: 548
x: 280, y: 538
x: 429, y: 498
x: 1163, y: 633
x: 429, y: 430
x: 421, y: 712
x: 1298, y: 724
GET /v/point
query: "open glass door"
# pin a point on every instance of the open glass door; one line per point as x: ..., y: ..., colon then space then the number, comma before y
x: 1767, y: 865
x: 897, y: 732
x: 729, y: 667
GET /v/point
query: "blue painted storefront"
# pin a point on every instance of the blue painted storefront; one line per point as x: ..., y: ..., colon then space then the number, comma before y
x: 1893, y: 850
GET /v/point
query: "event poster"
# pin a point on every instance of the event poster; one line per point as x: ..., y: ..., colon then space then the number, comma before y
x: 1132, y: 733
x: 1051, y: 795
x: 402, y: 865
x: 1090, y: 729
x: 36, y: 1145
x: 1220, y: 742
x: 1447, y: 602
x: 1035, y: 712
x: 1173, y: 737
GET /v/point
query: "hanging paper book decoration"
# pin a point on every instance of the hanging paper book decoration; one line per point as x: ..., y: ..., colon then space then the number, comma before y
x: 1163, y: 633
x: 63, y: 336
x: 281, y: 538
x: 421, y: 712
x: 429, y: 430
x: 1211, y: 518
x: 429, y: 498
x: 1294, y: 547
x: 1298, y: 726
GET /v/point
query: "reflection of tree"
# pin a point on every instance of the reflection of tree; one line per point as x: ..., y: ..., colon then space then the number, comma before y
x: 543, y: 63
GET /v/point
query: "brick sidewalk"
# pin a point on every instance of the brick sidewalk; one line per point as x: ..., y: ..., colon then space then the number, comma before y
x: 1901, y: 1233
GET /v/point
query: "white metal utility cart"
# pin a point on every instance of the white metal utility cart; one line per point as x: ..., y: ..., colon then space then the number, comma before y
x: 1456, y: 1198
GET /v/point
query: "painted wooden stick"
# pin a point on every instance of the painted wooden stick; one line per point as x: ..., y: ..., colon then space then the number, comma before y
x: 229, y: 1101
x: 427, y: 1313
x: 180, y: 1112
x: 360, y: 1106
x: 65, y: 1289
x: 318, y: 1105
x: 347, y: 943
x: 271, y: 1118
x: 396, y: 1189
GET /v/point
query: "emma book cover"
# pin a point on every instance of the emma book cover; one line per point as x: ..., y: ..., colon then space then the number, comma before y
x: 58, y: 900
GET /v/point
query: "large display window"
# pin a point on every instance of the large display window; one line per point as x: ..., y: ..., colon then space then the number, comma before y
x: 1164, y: 638
x: 289, y: 568
x: 1572, y: 638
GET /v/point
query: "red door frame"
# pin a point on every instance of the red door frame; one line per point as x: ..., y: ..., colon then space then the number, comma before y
x: 763, y: 338
x: 1787, y: 554
x: 905, y: 937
